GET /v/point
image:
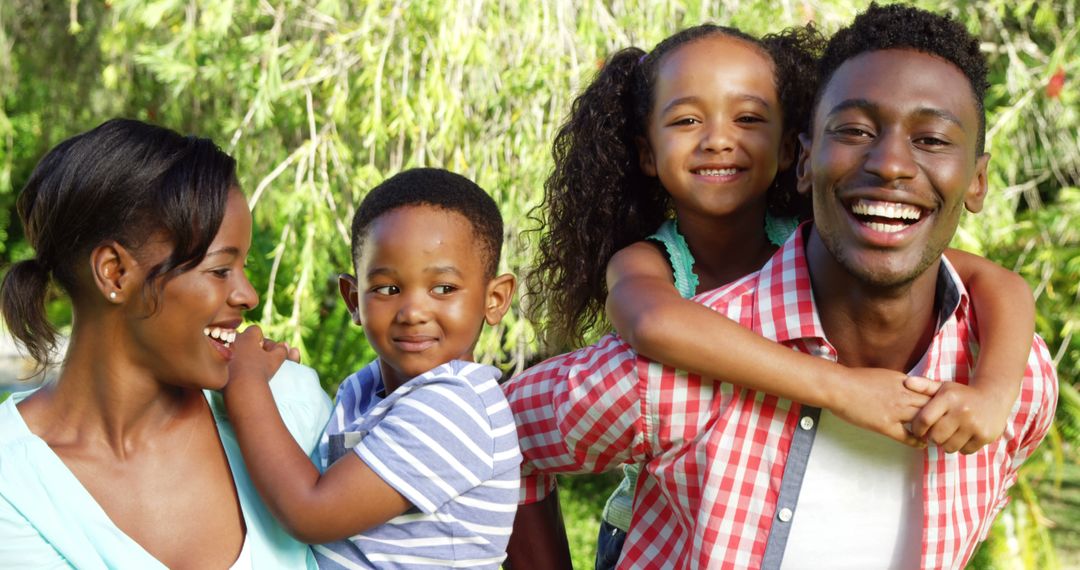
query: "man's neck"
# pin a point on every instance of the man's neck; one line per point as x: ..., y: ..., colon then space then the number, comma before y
x: 869, y: 325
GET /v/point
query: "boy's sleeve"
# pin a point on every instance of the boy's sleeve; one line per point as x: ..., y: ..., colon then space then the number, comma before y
x: 433, y: 444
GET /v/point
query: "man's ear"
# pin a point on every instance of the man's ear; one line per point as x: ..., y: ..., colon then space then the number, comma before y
x: 803, y: 173
x: 112, y: 268
x: 350, y: 294
x: 646, y: 160
x: 500, y: 291
x: 976, y: 193
x: 788, y: 147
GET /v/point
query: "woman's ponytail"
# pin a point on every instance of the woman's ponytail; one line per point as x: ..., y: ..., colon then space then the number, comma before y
x: 23, y: 295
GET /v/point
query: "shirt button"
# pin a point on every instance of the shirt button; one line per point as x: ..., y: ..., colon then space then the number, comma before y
x: 784, y: 515
x: 807, y: 422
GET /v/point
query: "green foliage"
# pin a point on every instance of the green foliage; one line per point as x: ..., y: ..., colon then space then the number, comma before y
x: 319, y: 101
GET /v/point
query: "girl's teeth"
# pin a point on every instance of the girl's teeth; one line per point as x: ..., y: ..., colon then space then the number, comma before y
x: 717, y: 171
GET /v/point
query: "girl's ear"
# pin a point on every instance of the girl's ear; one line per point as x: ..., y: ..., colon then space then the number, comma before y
x: 500, y: 291
x: 803, y: 172
x: 646, y: 160
x: 112, y: 268
x: 349, y: 293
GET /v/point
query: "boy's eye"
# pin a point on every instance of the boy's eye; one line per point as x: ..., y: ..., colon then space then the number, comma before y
x: 386, y: 290
x: 443, y: 289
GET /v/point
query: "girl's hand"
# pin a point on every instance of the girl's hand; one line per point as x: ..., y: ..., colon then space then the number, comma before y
x: 960, y: 417
x: 881, y: 401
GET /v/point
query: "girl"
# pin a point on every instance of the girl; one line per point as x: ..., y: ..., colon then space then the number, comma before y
x: 693, y: 143
x: 127, y: 460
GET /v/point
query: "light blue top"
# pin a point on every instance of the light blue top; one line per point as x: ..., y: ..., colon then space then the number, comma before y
x: 49, y: 520
x: 621, y: 502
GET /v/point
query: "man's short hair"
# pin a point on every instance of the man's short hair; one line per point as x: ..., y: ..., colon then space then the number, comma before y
x: 440, y: 189
x: 897, y: 26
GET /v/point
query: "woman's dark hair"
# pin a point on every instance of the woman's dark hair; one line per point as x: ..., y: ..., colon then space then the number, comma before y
x: 598, y: 201
x: 124, y: 181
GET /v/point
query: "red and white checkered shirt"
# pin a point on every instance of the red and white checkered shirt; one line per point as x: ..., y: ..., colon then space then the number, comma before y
x: 715, y: 454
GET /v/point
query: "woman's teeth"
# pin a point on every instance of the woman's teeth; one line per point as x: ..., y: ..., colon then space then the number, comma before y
x: 226, y: 336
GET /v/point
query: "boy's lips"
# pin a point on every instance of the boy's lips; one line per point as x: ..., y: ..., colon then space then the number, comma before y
x: 414, y: 343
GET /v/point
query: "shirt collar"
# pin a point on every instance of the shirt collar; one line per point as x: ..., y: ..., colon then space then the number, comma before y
x: 784, y: 306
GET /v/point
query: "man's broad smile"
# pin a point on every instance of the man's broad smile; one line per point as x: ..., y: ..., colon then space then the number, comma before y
x: 885, y: 217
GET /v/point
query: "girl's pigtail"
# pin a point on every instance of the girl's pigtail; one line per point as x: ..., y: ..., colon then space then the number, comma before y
x: 23, y: 294
x: 596, y: 201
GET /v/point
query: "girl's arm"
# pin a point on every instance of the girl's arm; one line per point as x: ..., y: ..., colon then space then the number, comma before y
x: 349, y: 498
x: 965, y: 418
x: 649, y: 314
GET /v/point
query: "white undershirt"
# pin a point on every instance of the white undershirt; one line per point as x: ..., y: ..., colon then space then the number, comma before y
x: 860, y: 505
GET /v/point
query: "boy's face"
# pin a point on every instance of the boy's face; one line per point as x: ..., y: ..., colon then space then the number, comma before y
x: 423, y: 295
x: 892, y: 163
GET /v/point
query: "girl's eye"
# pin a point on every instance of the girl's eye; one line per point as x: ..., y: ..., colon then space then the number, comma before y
x: 685, y: 121
x: 386, y: 290
x: 443, y: 289
x: 749, y: 119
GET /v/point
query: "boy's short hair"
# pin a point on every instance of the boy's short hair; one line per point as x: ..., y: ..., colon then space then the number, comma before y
x: 905, y: 27
x: 441, y: 189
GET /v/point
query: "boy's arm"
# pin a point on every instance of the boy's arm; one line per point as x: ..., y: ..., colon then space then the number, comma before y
x: 348, y: 499
x: 649, y: 314
x: 965, y: 418
x: 539, y: 538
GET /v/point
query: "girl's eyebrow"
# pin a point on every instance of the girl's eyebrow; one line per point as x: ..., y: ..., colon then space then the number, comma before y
x: 691, y: 99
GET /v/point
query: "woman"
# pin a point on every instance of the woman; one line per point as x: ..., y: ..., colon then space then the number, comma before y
x: 127, y: 459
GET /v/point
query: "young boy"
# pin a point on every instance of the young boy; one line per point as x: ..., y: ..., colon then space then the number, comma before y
x: 421, y: 461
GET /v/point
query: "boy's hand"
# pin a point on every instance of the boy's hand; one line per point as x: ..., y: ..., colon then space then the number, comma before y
x: 256, y: 359
x: 879, y: 400
x: 960, y: 417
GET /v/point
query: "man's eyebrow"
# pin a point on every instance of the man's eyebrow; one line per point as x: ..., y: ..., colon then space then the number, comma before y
x: 871, y: 107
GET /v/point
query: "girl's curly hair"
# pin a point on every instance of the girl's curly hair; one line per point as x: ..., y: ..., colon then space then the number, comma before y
x: 598, y: 201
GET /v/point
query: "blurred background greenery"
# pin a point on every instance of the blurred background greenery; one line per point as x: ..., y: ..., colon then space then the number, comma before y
x: 320, y: 100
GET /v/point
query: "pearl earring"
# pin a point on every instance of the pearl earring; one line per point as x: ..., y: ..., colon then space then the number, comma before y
x: 112, y: 295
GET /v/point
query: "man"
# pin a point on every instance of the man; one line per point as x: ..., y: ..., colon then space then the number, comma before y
x: 735, y: 478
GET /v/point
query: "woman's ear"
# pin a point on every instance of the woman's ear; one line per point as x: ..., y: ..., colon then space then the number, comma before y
x: 111, y: 266
x: 500, y: 291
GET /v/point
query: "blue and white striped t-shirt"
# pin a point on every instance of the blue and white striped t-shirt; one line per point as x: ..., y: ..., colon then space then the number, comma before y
x: 446, y: 441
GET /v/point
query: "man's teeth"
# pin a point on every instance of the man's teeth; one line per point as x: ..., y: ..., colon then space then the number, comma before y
x: 891, y: 210
x: 885, y: 228
x: 226, y: 336
x: 716, y: 171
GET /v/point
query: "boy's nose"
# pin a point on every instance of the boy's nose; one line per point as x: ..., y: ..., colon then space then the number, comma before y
x: 413, y: 309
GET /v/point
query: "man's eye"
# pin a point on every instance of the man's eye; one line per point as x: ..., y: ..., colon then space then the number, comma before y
x: 386, y: 290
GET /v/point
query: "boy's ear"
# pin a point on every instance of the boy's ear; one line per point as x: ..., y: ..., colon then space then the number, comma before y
x: 803, y: 172
x: 645, y: 156
x: 112, y: 268
x: 500, y: 291
x: 976, y: 192
x: 349, y: 293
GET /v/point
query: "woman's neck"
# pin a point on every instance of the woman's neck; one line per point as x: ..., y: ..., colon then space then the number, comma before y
x: 101, y: 398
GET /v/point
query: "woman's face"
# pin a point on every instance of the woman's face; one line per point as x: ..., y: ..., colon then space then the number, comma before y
x: 185, y: 342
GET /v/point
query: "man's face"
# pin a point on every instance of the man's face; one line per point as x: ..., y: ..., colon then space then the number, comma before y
x: 892, y: 163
